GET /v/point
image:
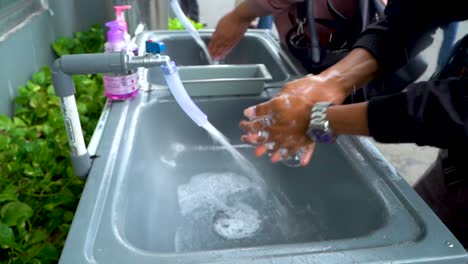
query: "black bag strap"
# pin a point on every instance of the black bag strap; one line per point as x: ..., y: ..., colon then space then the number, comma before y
x: 301, y: 9
x: 340, y: 22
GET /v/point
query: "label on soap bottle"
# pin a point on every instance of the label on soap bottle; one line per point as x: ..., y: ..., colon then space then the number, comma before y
x: 121, y: 84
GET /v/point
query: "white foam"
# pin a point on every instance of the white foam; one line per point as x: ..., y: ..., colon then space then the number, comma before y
x: 211, y: 190
x: 237, y: 222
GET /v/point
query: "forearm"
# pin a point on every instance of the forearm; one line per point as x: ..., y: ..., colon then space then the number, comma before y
x: 351, y: 73
x: 349, y: 119
x: 248, y: 10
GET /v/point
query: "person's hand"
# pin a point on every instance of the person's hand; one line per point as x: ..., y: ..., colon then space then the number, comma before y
x: 228, y: 33
x: 279, y: 126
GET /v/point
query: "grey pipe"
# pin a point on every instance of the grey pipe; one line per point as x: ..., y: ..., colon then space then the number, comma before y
x: 364, y: 7
x: 68, y: 65
x: 92, y: 63
x: 314, y: 40
x: 379, y: 7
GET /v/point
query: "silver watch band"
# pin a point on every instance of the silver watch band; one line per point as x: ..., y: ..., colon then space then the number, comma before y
x: 319, y: 127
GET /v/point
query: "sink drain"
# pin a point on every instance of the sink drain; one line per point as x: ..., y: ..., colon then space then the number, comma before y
x: 237, y: 222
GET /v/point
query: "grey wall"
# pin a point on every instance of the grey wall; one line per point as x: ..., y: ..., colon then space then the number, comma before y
x: 27, y: 49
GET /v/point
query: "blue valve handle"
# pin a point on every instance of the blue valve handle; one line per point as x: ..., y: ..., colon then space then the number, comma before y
x: 155, y: 47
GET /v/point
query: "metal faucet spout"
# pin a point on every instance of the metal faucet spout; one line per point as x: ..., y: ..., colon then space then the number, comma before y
x: 147, y: 61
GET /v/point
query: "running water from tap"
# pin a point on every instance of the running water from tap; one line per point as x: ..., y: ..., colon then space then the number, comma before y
x: 190, y: 28
x: 174, y: 83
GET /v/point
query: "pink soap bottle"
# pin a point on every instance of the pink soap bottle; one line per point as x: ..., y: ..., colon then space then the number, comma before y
x: 119, y: 86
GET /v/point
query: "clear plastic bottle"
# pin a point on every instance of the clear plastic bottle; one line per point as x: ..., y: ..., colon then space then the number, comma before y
x: 119, y: 86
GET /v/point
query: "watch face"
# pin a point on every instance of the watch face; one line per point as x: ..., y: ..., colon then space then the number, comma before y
x: 321, y: 136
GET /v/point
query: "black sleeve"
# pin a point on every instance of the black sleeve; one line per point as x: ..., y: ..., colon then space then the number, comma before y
x: 431, y: 113
x: 404, y: 23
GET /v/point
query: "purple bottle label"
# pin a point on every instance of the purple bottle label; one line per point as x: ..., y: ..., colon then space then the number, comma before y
x: 121, y: 84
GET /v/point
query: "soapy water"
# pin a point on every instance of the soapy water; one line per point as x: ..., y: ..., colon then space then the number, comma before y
x: 237, y: 222
x: 211, y: 190
x: 214, y: 193
x: 226, y: 210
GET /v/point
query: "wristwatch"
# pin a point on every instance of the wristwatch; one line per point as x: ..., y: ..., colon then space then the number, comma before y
x: 319, y: 127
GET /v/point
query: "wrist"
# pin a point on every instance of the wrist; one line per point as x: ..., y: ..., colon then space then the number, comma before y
x: 351, y: 73
x: 349, y: 119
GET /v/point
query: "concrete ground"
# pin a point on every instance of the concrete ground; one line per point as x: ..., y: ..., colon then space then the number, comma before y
x: 410, y: 160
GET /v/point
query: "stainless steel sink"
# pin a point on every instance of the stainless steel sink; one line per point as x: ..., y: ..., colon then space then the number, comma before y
x: 161, y: 191
x: 256, y: 47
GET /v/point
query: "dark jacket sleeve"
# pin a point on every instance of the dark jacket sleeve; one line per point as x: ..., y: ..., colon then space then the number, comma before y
x: 405, y: 21
x: 428, y: 113
x: 431, y: 113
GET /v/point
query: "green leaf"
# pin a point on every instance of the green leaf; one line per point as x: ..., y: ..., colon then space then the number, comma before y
x: 175, y: 24
x: 33, y: 87
x: 32, y: 171
x: 49, y: 252
x: 39, y: 78
x: 4, y: 141
x: 63, y: 46
x: 7, y: 237
x: 5, y: 122
x: 37, y: 236
x: 63, y: 197
x: 18, y: 122
x: 14, y: 211
x: 23, y: 91
x: 36, y: 100
x: 50, y: 91
x: 68, y: 216
x: 33, y: 252
x: 9, y: 193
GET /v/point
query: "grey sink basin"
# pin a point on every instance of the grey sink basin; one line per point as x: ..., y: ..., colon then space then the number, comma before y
x: 322, y: 202
x: 256, y: 47
x: 162, y: 191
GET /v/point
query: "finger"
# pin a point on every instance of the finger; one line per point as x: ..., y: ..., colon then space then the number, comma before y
x: 262, y: 109
x: 257, y: 138
x: 250, y: 112
x: 279, y: 155
x: 248, y: 139
x: 260, y: 150
x: 256, y: 125
x: 307, y: 156
x: 270, y: 146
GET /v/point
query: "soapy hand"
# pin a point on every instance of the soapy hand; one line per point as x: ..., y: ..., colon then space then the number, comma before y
x: 228, y: 33
x: 279, y: 126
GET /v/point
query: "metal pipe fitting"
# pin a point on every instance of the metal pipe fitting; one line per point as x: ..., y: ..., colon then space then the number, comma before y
x: 147, y: 61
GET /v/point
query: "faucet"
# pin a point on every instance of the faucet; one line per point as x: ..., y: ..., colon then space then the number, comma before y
x: 68, y: 65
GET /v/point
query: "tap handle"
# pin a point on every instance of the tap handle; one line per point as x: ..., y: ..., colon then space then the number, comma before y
x: 155, y: 47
